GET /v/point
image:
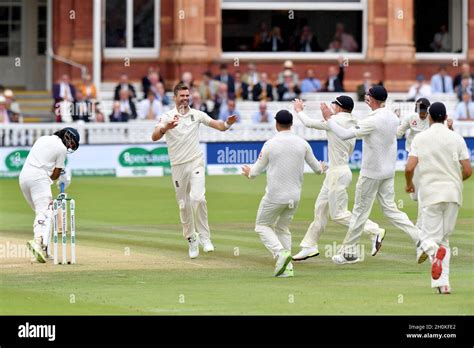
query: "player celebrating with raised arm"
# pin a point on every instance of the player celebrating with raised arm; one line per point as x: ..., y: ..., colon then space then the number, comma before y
x: 181, y: 126
x: 444, y: 162
x: 284, y: 156
x: 379, y: 155
x: 332, y: 200
x: 45, y: 163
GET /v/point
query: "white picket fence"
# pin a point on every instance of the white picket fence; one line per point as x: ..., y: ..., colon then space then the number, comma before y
x: 140, y: 132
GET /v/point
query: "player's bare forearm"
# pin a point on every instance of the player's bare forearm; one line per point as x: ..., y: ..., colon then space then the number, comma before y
x: 466, y: 169
x: 157, y: 134
x: 219, y: 125
x: 56, y: 173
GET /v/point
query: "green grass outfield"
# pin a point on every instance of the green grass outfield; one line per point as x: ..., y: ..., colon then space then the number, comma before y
x: 132, y: 258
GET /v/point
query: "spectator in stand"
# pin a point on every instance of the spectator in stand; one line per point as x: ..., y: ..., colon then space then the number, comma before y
x: 251, y: 77
x: 98, y: 114
x: 187, y: 78
x: 117, y: 115
x: 150, y: 108
x: 419, y: 89
x: 274, y: 41
x: 288, y: 90
x: 15, y: 114
x: 146, y: 83
x: 288, y: 66
x: 153, y: 87
x: 124, y: 85
x: 161, y: 95
x: 363, y: 88
x: 4, y: 117
x: 465, y: 87
x: 465, y: 109
x: 263, y: 90
x: 308, y: 41
x: 88, y: 88
x: 262, y: 115
x: 227, y: 79
x: 127, y: 105
x: 10, y: 101
x: 197, y: 103
x: 335, y: 81
x: 260, y: 37
x: 465, y: 72
x: 82, y: 108
x: 441, y: 82
x: 241, y: 88
x: 310, y: 84
x: 64, y: 94
x: 442, y: 40
x: 336, y: 46
x: 220, y: 101
x: 229, y: 110
x: 208, y: 87
x: 347, y: 42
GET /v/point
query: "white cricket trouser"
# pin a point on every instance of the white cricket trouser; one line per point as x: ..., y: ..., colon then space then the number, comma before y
x: 38, y: 195
x: 439, y: 221
x: 272, y: 225
x: 332, y: 202
x: 366, y: 191
x: 415, y: 196
x: 190, y: 186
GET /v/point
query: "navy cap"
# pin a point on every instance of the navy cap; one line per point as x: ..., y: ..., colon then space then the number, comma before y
x: 437, y: 111
x: 344, y: 102
x: 284, y: 117
x: 423, y: 104
x: 420, y: 77
x: 378, y: 93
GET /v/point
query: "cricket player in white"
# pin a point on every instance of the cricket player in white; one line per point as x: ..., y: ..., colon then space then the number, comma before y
x: 411, y: 126
x: 45, y: 163
x: 333, y: 200
x: 283, y: 156
x: 379, y: 155
x: 444, y: 162
x: 181, y: 126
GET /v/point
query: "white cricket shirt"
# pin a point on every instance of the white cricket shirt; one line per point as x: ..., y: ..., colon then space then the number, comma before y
x: 339, y: 151
x: 284, y: 156
x: 414, y: 125
x: 439, y: 151
x: 183, y: 140
x: 47, y: 153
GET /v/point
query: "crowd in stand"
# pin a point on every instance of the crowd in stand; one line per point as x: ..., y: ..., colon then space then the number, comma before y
x: 9, y: 108
x: 217, y: 95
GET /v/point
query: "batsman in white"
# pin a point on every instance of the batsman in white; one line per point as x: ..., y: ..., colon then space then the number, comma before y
x: 283, y: 156
x: 44, y: 164
x: 379, y: 155
x: 444, y: 162
x: 333, y: 200
x: 412, y: 125
x: 181, y: 126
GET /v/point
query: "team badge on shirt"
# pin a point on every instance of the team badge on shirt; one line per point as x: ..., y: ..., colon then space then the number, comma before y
x: 414, y: 124
x: 192, y: 117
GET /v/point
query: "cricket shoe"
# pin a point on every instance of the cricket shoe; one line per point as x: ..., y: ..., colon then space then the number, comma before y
x: 306, y: 253
x: 340, y: 259
x: 421, y: 256
x: 288, y: 273
x: 36, y: 250
x: 207, y: 245
x: 444, y: 290
x: 377, y: 241
x: 436, y: 266
x: 284, y: 258
x: 193, y: 246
